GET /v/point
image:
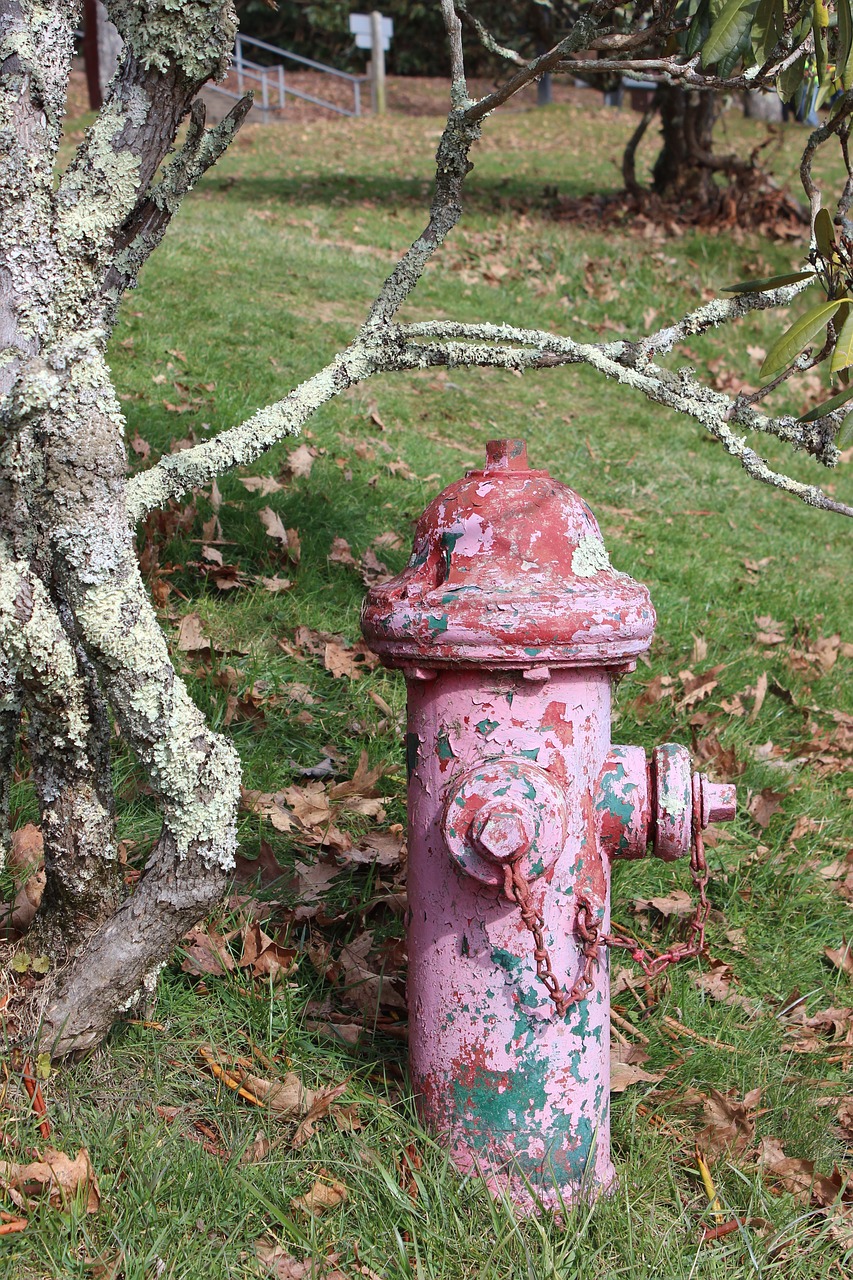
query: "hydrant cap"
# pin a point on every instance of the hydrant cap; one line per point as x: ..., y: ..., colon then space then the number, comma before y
x: 508, y: 569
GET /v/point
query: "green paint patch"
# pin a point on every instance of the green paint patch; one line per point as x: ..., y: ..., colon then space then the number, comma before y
x: 437, y: 624
x: 485, y: 727
x: 445, y: 751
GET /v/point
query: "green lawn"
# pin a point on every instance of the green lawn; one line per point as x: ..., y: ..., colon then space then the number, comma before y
x: 266, y: 273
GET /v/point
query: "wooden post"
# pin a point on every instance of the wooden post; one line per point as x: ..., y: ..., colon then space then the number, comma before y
x: 90, y: 54
x: 377, y: 63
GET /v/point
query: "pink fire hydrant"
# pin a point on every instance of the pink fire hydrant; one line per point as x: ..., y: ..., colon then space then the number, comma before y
x: 511, y: 627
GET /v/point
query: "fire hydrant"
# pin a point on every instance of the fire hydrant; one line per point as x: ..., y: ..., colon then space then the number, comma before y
x: 511, y: 628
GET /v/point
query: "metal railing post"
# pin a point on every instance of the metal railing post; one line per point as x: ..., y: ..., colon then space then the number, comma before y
x: 281, y: 85
x: 265, y: 96
x: 238, y: 63
x: 356, y: 89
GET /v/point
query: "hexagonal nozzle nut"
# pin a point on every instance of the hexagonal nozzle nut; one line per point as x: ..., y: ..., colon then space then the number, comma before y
x: 503, y: 832
x: 719, y: 801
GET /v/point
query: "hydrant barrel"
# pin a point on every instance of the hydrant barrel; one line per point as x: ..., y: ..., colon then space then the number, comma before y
x: 511, y: 626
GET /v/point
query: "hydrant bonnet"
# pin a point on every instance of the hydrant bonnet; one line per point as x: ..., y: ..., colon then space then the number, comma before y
x: 509, y: 568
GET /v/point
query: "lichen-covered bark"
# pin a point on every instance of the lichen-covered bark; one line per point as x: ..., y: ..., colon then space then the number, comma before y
x: 77, y: 631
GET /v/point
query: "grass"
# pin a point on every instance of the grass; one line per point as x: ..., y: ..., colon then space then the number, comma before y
x: 265, y: 274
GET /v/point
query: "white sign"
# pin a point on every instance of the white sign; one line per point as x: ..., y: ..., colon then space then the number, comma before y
x: 359, y: 25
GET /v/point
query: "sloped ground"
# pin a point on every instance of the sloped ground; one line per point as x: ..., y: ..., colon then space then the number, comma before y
x: 268, y: 270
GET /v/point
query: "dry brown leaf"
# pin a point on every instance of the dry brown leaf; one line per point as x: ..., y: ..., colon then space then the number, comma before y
x: 26, y: 852
x: 760, y: 694
x: 716, y: 982
x: 191, y: 637
x: 273, y: 525
x: 55, y: 1172
x: 764, y: 804
x: 677, y: 903
x: 380, y: 849
x: 301, y: 459
x: 257, y: 1150
x: 730, y: 1122
x: 260, y: 484
x: 283, y: 1266
x: 263, y: 955
x: 27, y: 901
x: 322, y: 1196
x: 309, y: 803
x: 206, y: 953
x: 624, y: 1074
x: 323, y: 1100
x: 341, y: 553
x: 799, y: 1177
x: 362, y: 783
x: 348, y: 662
x: 373, y: 570
x: 841, y: 957
x: 275, y: 584
x: 367, y: 989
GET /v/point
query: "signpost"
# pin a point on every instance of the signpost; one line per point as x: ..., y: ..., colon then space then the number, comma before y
x: 374, y: 32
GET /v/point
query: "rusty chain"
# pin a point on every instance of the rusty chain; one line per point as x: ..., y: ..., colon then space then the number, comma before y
x: 517, y: 889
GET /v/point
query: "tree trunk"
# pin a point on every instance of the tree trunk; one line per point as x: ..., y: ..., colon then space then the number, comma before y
x: 684, y: 168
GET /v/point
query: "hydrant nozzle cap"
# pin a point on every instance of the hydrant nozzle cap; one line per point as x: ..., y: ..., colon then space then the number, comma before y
x: 508, y: 569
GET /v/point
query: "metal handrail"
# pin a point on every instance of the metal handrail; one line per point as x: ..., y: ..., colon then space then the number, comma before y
x: 297, y: 57
x: 244, y: 67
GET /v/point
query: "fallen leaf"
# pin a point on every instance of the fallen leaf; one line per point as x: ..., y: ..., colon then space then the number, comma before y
x: 322, y: 1196
x: 624, y: 1074
x: 341, y: 553
x: 373, y: 570
x: 263, y: 955
x: 273, y: 525
x: 26, y: 852
x: 257, y: 1150
x: 206, y: 952
x: 841, y: 957
x: 62, y: 1177
x: 366, y: 988
x: 323, y: 1100
x: 348, y: 662
x: 301, y: 459
x: 283, y: 1266
x: 275, y: 584
x: 379, y: 848
x: 678, y: 903
x: 260, y: 484
x: 191, y: 637
x: 730, y: 1122
x: 764, y: 804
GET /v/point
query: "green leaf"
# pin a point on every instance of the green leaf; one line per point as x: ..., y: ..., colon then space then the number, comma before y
x: 824, y: 232
x: 821, y: 52
x: 842, y: 356
x: 844, y: 70
x: 821, y: 410
x: 791, y: 78
x: 699, y: 28
x: 769, y: 282
x: 799, y: 335
x: 727, y: 31
x: 845, y: 435
x: 768, y: 28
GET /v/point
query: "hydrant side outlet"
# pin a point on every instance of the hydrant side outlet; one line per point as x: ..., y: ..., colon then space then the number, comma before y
x: 510, y: 625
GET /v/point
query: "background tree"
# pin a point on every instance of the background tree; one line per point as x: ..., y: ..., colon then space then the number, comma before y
x: 79, y: 638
